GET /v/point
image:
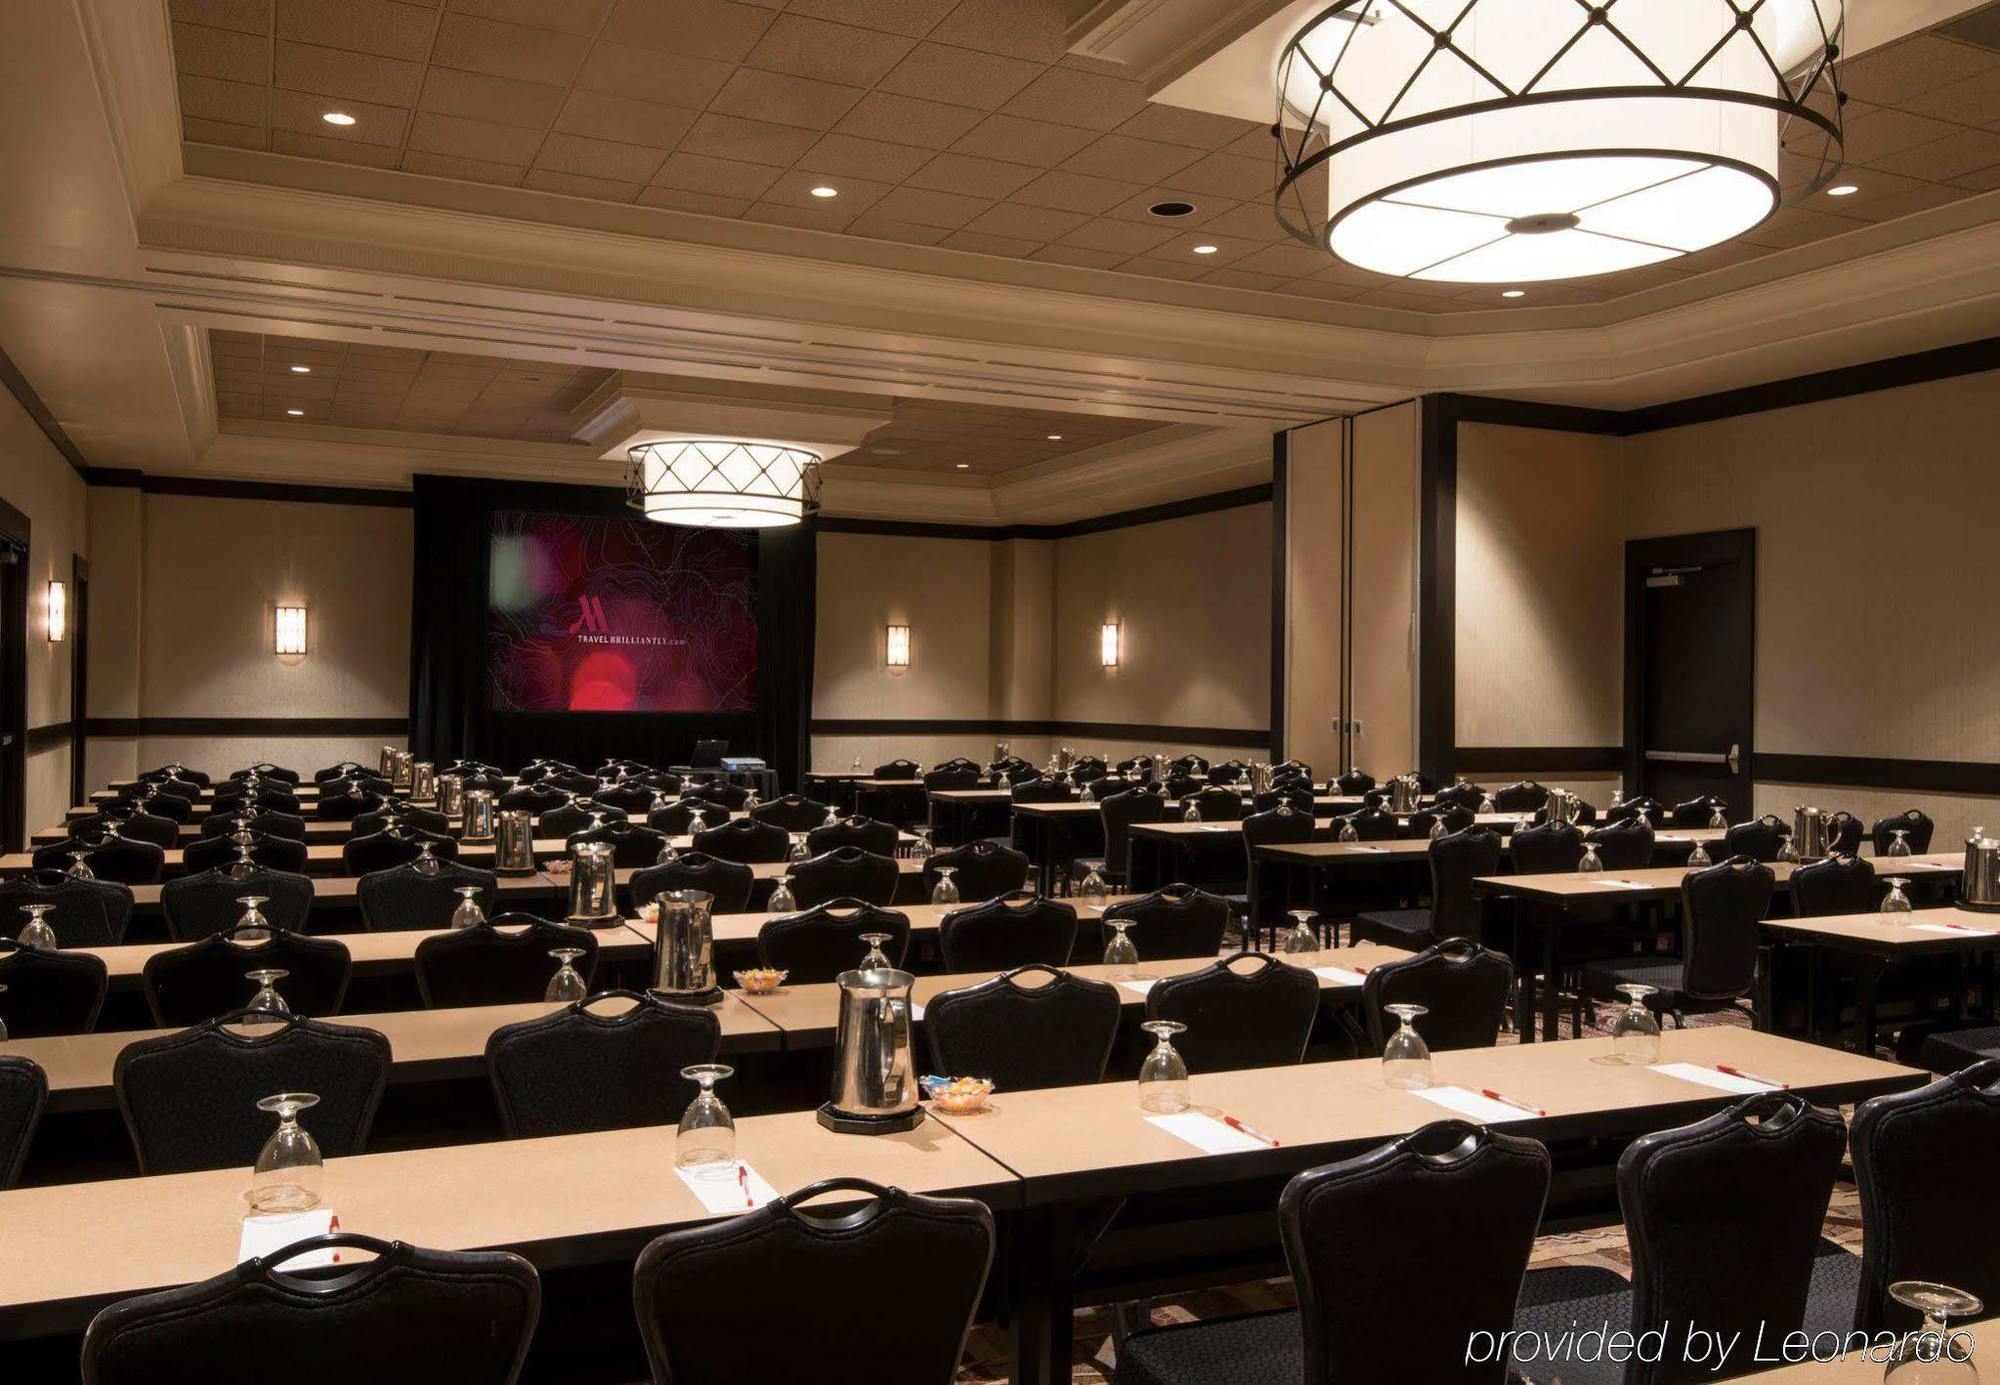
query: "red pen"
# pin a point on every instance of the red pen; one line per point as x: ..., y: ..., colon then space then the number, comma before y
x: 743, y: 1181
x: 1252, y: 1131
x: 1752, y: 1077
x: 1492, y: 1095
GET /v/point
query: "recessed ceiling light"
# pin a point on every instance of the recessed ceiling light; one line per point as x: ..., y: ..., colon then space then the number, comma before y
x: 1843, y: 190
x: 1204, y: 249
x: 965, y: 466
x: 302, y: 370
x: 1513, y: 293
x: 338, y: 118
x: 824, y: 191
x: 1171, y: 208
x: 1055, y: 437
x: 296, y: 413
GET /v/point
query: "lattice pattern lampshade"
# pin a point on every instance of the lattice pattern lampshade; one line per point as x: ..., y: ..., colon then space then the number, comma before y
x: 723, y: 483
x: 1507, y: 141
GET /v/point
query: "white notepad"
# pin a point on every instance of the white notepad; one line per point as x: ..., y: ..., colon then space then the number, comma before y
x: 1218, y: 827
x: 1206, y: 1133
x: 1710, y: 1077
x: 730, y: 1186
x: 267, y: 1235
x: 1136, y: 987
x: 1356, y: 846
x: 1622, y: 884
x: 1959, y: 928
x: 1340, y: 976
x: 1473, y: 1106
x: 916, y: 1013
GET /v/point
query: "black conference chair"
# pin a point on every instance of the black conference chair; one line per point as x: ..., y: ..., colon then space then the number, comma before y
x: 1460, y: 1204
x: 387, y: 850
x: 985, y: 870
x: 570, y: 781
x: 731, y: 796
x: 951, y: 777
x: 1118, y: 813
x: 188, y: 985
x: 1215, y: 804
x: 898, y: 769
x: 1914, y: 823
x: 402, y: 815
x: 627, y: 798
x: 1697, y: 812
x: 339, y: 771
x: 121, y: 860
x: 1844, y: 833
x: 1721, y: 907
x: 1842, y: 884
x: 1043, y: 791
x: 404, y: 897
x: 1192, y: 765
x: 1282, y: 825
x: 1246, y: 1011
x: 271, y: 824
x: 1642, y: 806
x: 1353, y: 784
x: 1626, y: 844
x: 50, y: 993
x: 140, y: 826
x: 658, y: 781
x: 825, y: 940
x: 730, y: 882
x: 632, y: 846
x: 1464, y: 794
x: 704, y: 1294
x: 87, y: 913
x: 264, y: 769
x: 24, y: 1093
x: 163, y: 805
x: 190, y: 1099
x: 745, y: 841
x: 793, y: 812
x: 1175, y: 921
x: 345, y: 807
x: 1761, y: 839
x: 1013, y: 930
x: 1425, y: 820
x: 1298, y: 797
x: 389, y: 1321
x: 1056, y: 1032
x: 1456, y: 860
x: 199, y: 905
x: 1463, y: 987
x: 1370, y: 824
x: 504, y: 961
x: 880, y: 838
x: 579, y: 1070
x: 535, y: 799
x: 1724, y: 1219
x: 262, y: 801
x: 846, y: 872
x: 272, y: 853
x: 1179, y: 786
x: 576, y: 816
x: 676, y: 819
x: 1547, y: 849
x: 1522, y: 797
x: 1229, y: 772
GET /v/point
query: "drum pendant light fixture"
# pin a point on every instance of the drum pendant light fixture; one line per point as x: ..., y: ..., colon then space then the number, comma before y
x: 723, y: 483
x: 1509, y: 141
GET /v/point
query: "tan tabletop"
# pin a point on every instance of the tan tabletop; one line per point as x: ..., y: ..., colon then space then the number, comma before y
x: 1949, y: 929
x: 424, y: 1045
x: 1657, y: 881
x: 307, y: 790
x: 567, y: 1199
x: 1058, y: 1138
x: 336, y: 891
x: 767, y: 870
x: 737, y: 928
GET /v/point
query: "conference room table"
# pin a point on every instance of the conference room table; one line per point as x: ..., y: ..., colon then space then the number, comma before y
x: 1868, y: 945
x: 1038, y: 1158
x: 1172, y: 849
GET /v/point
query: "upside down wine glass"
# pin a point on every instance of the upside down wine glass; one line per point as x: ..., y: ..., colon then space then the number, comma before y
x: 1406, y: 1058
x: 945, y: 892
x: 1301, y: 945
x: 567, y: 986
x: 36, y: 935
x: 782, y: 900
x: 253, y: 927
x: 1163, y: 1077
x: 1932, y: 1354
x: 1699, y: 856
x: 79, y: 866
x: 1896, y: 903
x: 289, y: 1168
x: 1635, y: 1037
x: 266, y: 1005
x: 797, y: 852
x: 707, y: 1133
x: 1591, y: 862
x: 875, y: 959
x: 468, y: 914
x: 1899, y: 843
x: 1119, y: 949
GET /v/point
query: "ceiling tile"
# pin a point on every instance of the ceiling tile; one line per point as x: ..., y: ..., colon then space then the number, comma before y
x: 1974, y: 101
x: 581, y: 185
x: 1980, y: 179
x: 1228, y: 249
x: 234, y: 56
x: 906, y: 120
x: 1877, y: 134
x: 958, y: 76
x: 1119, y: 156
x: 468, y: 170
x: 786, y: 100
x: 803, y: 47
x: 706, y: 203
x: 794, y: 189
x: 1164, y: 268
x: 1023, y: 141
x: 1893, y: 74
x: 335, y: 72
x: 928, y: 208
x: 1125, y: 236
x: 1243, y: 279
x: 715, y: 29
x: 224, y: 132
x: 1030, y: 29
x: 730, y: 178
x: 973, y: 177
x: 501, y: 100
x: 1920, y: 198
x: 1075, y: 192
x: 599, y: 158
x: 237, y: 103
x: 248, y: 16
x: 1250, y: 220
x: 569, y: 16
x: 913, y: 18
x: 472, y: 44
x: 1069, y: 97
x: 885, y: 228
x: 1197, y: 129
x: 473, y: 139
x: 822, y: 218
x: 671, y: 79
x: 758, y: 141
x: 383, y: 28
x: 606, y: 115
x: 1037, y: 224
x: 1139, y: 207
x: 1287, y: 258
x: 1392, y: 298
x: 300, y: 113
x: 333, y: 150
x: 984, y: 244
x: 1956, y: 154
x: 1230, y: 175
x: 863, y: 158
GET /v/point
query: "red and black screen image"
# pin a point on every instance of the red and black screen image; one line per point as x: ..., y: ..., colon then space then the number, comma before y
x: 619, y: 615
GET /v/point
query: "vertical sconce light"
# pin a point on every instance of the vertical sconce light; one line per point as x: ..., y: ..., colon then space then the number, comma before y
x: 291, y: 630
x: 58, y: 612
x: 1107, y: 644
x: 896, y: 650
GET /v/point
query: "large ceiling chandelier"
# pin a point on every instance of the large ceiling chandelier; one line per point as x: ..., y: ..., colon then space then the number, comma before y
x: 723, y: 483
x: 1506, y: 141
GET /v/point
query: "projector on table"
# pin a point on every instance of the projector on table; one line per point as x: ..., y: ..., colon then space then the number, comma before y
x: 738, y: 763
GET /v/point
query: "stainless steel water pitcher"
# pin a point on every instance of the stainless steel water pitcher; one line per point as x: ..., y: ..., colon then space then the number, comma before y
x: 451, y: 794
x: 1260, y: 777
x: 1562, y: 807
x: 1404, y: 794
x: 514, y: 850
x: 874, y: 1089
x: 478, y: 817
x: 593, y: 886
x: 388, y: 765
x: 1809, y: 832
x: 401, y: 765
x: 1979, y: 886
x: 684, y: 949
x: 423, y: 781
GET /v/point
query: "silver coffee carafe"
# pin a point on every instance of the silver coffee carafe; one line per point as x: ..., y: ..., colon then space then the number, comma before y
x: 514, y: 847
x: 1979, y: 885
x: 1562, y: 807
x: 1809, y: 832
x: 1404, y: 794
x: 451, y: 794
x: 684, y: 948
x: 423, y: 781
x: 874, y: 1089
x: 593, y: 887
x: 401, y: 765
x: 1260, y: 777
x: 388, y: 765
x: 478, y: 811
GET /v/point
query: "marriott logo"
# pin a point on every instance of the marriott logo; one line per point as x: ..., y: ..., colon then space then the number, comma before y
x: 591, y: 627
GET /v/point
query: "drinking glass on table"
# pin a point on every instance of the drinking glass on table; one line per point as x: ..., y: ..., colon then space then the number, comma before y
x: 567, y: 985
x: 1347, y: 832
x: 253, y: 927
x: 289, y: 1168
x: 1301, y: 944
x: 797, y: 852
x: 266, y: 1005
x: 1406, y: 1058
x: 468, y: 914
x: 1932, y: 1354
x: 1897, y: 903
x: 1899, y: 842
x: 1699, y: 856
x: 707, y: 1133
x: 945, y: 892
x: 1192, y: 812
x: 1094, y: 889
x: 1635, y: 1037
x: 1163, y: 1077
x: 36, y: 934
x: 426, y: 863
x: 1591, y: 862
x: 782, y: 900
x: 79, y: 866
x: 875, y: 959
x: 1119, y: 950
x: 1717, y: 819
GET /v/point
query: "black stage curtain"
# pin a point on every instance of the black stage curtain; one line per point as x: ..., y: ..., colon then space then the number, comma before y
x: 449, y: 715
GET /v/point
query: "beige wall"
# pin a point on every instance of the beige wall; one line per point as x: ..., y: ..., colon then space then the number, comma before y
x: 39, y: 481
x: 1384, y: 694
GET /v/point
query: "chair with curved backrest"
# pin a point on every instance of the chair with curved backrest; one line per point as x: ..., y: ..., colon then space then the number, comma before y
x: 121, y: 860
x: 185, y: 784
x: 1639, y: 806
x: 1006, y: 932
x: 1175, y: 921
x: 273, y: 853
x: 264, y: 800
x: 1088, y: 769
x: 1056, y: 1032
x: 1454, y: 817
x: 1462, y: 794
x: 881, y: 838
x: 1195, y: 766
x: 746, y: 841
x: 825, y: 940
x: 627, y: 798
x: 1283, y: 825
x: 579, y: 1070
x: 1761, y: 839
x: 1623, y: 845
x: 1370, y: 824
x: 897, y: 769
x: 389, y: 1320
x: 570, y: 781
x: 1459, y: 1204
x: 846, y: 872
x: 387, y: 850
x: 401, y: 815
x: 1586, y: 815
x: 271, y: 824
x: 1843, y: 884
x: 404, y: 897
x: 1456, y: 860
x: 163, y: 805
x: 137, y: 824
x: 1522, y: 797
x: 1229, y: 772
x: 632, y: 845
x: 1915, y: 825
x: 347, y: 806
x: 575, y: 815
x: 534, y: 798
x: 1463, y: 987
x: 1844, y: 833
x: 190, y: 1099
x: 1549, y: 849
x: 1722, y: 906
x: 87, y: 913
x: 1724, y: 1218
x: 1215, y: 804
x: 504, y: 961
x: 1923, y: 1165
x: 1353, y: 784
x: 191, y: 984
x: 1118, y: 812
x: 731, y: 796
x: 198, y: 905
x: 264, y: 769
x: 729, y: 881
x: 1297, y: 795
x: 658, y: 781
x: 1246, y: 1011
x: 952, y: 777
x: 704, y: 1294
x: 1696, y: 812
x: 50, y: 993
x: 675, y: 819
x: 24, y: 1093
x: 1043, y: 791
x: 793, y: 812
x: 339, y: 771
x: 984, y: 870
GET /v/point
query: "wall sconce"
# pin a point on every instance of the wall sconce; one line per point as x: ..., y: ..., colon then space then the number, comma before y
x: 1107, y: 644
x: 291, y: 630
x: 58, y: 612
x: 896, y: 650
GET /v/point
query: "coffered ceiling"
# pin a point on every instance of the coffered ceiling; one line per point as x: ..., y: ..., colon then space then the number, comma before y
x: 957, y: 123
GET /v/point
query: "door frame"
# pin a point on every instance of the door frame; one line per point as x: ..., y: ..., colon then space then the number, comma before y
x: 1713, y: 546
x: 14, y: 536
